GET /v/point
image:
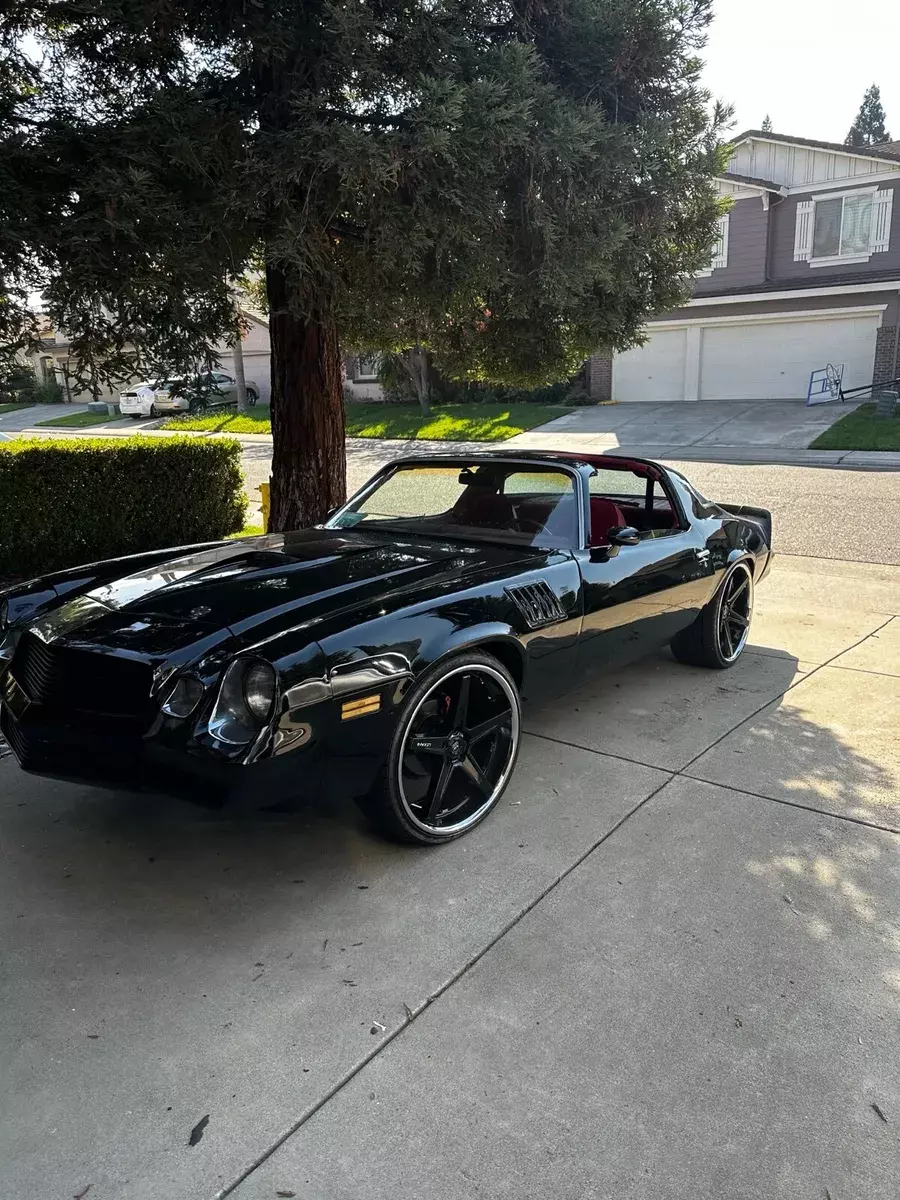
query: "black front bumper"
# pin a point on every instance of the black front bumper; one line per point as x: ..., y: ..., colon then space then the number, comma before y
x: 140, y: 765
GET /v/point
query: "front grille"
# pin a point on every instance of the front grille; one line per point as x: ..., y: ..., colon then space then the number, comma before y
x: 69, y: 751
x: 538, y: 604
x: 18, y: 742
x: 66, y: 679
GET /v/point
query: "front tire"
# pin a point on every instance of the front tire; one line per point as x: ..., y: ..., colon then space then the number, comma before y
x: 718, y: 636
x: 452, y: 754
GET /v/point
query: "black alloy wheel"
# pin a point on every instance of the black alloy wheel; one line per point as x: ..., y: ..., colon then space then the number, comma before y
x: 453, y: 751
x: 735, y: 613
x: 719, y: 634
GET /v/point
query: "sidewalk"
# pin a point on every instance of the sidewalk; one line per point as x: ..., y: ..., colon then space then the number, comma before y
x: 384, y: 449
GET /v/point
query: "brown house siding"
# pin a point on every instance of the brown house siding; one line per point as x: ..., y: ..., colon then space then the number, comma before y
x: 783, y: 214
x: 746, y: 250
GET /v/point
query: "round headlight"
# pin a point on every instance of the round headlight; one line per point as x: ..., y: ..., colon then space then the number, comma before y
x: 259, y: 690
x: 184, y: 697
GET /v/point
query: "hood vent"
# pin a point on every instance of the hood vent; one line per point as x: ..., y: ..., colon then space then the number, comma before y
x: 538, y: 604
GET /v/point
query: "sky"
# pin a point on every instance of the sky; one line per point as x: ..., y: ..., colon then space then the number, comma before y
x: 805, y: 62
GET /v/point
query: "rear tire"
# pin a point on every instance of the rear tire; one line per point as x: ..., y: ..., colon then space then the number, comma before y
x: 718, y: 636
x: 452, y: 754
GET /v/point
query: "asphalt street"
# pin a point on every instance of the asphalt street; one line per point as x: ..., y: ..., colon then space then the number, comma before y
x: 820, y: 512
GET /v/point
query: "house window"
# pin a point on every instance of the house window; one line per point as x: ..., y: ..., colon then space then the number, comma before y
x: 720, y: 248
x: 365, y: 367
x: 842, y: 227
x: 845, y: 228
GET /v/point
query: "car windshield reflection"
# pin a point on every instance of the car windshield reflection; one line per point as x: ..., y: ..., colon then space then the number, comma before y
x: 508, y: 502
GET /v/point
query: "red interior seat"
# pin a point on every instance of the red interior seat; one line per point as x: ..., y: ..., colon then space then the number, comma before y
x: 605, y: 514
x: 479, y: 506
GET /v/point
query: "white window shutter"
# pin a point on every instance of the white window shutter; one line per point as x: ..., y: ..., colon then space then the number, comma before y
x: 720, y: 250
x: 881, y: 219
x: 803, y: 230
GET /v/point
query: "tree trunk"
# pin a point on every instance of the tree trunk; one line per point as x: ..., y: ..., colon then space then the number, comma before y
x: 309, y: 472
x: 416, y: 362
x: 239, y: 379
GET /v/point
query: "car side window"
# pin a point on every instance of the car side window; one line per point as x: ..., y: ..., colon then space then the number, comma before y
x: 621, y: 497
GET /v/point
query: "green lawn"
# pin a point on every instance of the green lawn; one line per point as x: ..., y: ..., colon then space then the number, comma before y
x: 224, y: 421
x: 453, y: 422
x: 77, y: 420
x: 14, y: 406
x: 861, y: 430
x: 247, y: 531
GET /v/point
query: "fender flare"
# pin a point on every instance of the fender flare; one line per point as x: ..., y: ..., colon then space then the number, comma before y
x: 474, y: 637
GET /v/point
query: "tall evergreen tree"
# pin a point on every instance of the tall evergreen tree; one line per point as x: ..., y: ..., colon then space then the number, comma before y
x: 868, y: 127
x: 766, y: 126
x: 505, y: 184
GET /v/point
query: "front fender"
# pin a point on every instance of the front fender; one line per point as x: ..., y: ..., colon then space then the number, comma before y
x: 495, y: 636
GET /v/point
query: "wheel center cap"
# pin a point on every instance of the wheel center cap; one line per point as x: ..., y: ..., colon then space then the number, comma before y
x: 456, y: 746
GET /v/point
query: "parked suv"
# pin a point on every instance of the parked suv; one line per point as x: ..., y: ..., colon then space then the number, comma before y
x: 181, y: 395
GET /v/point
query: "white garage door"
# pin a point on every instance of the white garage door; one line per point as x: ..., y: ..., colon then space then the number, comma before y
x: 654, y: 371
x: 772, y: 360
x: 751, y: 360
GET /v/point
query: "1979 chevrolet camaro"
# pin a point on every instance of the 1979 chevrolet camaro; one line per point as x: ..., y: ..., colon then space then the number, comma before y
x: 386, y: 653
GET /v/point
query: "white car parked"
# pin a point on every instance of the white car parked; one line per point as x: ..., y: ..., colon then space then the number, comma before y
x: 154, y: 399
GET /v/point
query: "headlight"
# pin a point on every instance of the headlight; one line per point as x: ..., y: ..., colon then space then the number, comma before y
x: 245, y: 701
x: 259, y: 691
x: 184, y: 697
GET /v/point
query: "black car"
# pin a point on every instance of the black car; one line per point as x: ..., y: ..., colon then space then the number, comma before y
x: 385, y: 654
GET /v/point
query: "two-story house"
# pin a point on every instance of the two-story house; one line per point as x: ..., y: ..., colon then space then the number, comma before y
x: 806, y: 272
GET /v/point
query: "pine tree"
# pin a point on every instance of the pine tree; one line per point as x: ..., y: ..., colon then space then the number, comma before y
x: 504, y: 185
x: 766, y: 126
x: 868, y: 128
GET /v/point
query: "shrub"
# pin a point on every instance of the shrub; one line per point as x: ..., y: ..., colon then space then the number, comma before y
x: 68, y: 502
x: 48, y: 391
x: 397, y: 387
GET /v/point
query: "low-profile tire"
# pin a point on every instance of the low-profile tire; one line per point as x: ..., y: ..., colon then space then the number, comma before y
x: 452, y: 753
x: 718, y: 636
x: 154, y: 411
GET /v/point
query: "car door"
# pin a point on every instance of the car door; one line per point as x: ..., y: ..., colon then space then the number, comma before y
x: 637, y: 597
x: 225, y: 389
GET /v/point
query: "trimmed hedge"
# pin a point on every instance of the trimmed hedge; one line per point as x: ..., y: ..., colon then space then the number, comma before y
x: 65, y: 502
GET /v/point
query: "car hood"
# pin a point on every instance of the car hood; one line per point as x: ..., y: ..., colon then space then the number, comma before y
x: 236, y: 588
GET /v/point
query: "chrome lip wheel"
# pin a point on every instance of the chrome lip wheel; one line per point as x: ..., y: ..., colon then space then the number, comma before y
x: 735, y: 612
x: 458, y: 749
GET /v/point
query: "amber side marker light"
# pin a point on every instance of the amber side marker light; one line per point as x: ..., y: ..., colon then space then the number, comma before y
x: 360, y: 708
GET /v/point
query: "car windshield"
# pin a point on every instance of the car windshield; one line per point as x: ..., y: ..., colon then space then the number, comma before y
x: 510, y: 502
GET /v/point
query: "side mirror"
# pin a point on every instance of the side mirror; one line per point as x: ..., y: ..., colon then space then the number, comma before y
x: 624, y: 535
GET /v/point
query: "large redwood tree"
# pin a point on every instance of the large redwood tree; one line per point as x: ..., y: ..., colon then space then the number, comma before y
x: 508, y: 185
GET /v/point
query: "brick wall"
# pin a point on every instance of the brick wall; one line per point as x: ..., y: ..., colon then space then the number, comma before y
x: 600, y: 377
x: 886, y: 367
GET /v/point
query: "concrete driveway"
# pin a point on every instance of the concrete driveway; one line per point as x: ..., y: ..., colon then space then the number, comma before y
x: 668, y: 966
x: 669, y: 430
